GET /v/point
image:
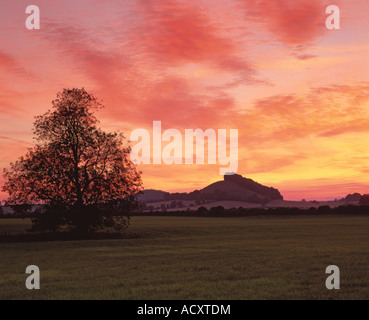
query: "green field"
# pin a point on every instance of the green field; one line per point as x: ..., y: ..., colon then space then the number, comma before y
x: 196, y: 258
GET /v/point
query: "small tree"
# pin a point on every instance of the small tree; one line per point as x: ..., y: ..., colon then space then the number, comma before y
x: 81, y: 174
x: 202, y: 210
x: 364, y: 200
x: 219, y: 210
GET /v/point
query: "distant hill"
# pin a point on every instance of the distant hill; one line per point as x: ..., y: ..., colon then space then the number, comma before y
x: 232, y: 188
x: 151, y: 195
x: 236, y: 187
x: 353, y: 197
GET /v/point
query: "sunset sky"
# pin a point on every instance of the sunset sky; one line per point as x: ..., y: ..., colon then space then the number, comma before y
x: 297, y: 92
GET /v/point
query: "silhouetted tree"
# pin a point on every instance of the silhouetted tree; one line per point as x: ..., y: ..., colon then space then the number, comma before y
x: 202, y: 210
x: 219, y: 210
x: 353, y: 197
x: 364, y: 200
x: 81, y: 174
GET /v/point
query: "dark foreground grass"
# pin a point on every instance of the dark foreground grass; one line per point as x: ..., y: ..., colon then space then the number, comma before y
x: 196, y: 258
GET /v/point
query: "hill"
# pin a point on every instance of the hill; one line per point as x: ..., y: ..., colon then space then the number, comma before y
x: 232, y: 188
x: 236, y: 187
x: 151, y: 195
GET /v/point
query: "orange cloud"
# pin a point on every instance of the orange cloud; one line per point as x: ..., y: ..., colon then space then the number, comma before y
x: 324, y: 111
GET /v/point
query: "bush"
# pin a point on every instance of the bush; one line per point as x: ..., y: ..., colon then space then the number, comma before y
x: 219, y: 210
x: 202, y: 211
x: 364, y: 200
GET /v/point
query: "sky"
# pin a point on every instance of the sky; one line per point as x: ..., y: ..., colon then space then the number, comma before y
x: 297, y: 92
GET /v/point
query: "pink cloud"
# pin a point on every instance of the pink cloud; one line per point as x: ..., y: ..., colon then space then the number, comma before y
x: 10, y: 65
x: 16, y: 140
x: 293, y: 22
x: 129, y: 85
x: 8, y: 62
x: 173, y: 33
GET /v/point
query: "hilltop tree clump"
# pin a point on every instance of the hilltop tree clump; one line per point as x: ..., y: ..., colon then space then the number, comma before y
x: 364, y: 200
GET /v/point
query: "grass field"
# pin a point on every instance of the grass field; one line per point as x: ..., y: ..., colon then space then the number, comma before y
x: 196, y: 258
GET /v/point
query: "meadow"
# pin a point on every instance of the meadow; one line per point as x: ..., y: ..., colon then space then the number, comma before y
x: 196, y: 258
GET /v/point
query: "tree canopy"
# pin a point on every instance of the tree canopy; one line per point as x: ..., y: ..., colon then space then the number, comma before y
x: 81, y: 175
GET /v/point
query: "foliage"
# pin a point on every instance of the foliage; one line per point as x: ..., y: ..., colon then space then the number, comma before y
x: 364, y: 200
x: 80, y: 174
